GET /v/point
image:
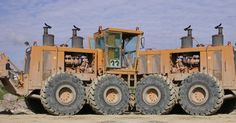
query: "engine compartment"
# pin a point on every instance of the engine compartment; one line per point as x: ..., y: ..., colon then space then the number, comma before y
x: 79, y: 62
x: 185, y: 62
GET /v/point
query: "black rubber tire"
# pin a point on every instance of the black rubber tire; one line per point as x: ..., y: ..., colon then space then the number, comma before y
x: 215, y: 98
x: 167, y: 100
x: 35, y: 105
x: 96, y: 98
x: 176, y: 88
x: 48, y: 94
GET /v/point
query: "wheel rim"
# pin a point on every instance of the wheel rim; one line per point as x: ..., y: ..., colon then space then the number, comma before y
x: 151, y: 95
x: 65, y: 94
x: 112, y: 95
x: 198, y: 94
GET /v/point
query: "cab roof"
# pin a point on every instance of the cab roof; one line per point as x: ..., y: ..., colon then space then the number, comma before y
x: 132, y: 31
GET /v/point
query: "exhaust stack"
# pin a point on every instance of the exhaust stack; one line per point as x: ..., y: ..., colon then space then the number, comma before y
x: 218, y: 39
x: 48, y: 39
x: 187, y: 41
x: 77, y: 41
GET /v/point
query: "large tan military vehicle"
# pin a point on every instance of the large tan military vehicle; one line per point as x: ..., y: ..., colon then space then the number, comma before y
x: 114, y: 75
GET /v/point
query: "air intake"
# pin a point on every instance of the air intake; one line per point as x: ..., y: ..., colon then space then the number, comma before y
x: 218, y: 39
x: 77, y: 41
x: 187, y: 41
x: 48, y: 39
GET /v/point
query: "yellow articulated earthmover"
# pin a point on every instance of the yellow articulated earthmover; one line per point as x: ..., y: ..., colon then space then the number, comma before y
x: 115, y: 75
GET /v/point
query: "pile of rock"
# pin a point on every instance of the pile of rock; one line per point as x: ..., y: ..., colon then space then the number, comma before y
x: 12, y: 104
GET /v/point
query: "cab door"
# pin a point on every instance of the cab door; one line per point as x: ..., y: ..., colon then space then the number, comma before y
x: 129, y: 52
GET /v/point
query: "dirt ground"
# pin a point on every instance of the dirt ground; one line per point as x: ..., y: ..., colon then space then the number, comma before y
x: 43, y: 118
x: 14, y: 110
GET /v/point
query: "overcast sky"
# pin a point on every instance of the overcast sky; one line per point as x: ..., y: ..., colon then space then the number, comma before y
x: 161, y: 20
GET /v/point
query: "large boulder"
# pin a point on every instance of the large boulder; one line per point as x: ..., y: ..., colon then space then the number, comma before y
x: 10, y: 97
x: 13, y: 104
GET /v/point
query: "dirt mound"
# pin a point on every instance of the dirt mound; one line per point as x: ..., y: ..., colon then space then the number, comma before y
x: 12, y: 104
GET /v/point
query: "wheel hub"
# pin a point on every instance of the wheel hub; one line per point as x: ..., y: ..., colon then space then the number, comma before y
x: 151, y: 95
x: 65, y: 94
x: 112, y: 95
x: 198, y: 94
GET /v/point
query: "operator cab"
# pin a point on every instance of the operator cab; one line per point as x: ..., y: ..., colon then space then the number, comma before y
x: 120, y: 46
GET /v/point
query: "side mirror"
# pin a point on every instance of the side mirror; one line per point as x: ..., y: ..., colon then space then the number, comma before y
x: 142, y: 43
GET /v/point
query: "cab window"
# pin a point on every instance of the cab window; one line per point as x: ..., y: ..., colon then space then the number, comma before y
x: 100, y: 43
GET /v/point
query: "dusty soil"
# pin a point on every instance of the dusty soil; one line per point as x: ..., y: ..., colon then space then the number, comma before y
x: 43, y: 118
x: 14, y: 110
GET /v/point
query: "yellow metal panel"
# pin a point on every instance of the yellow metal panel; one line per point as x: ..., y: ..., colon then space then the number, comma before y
x: 60, y: 57
x: 149, y: 63
x: 35, y: 72
x: 203, y: 63
x: 124, y: 30
x: 100, y: 60
x: 165, y: 62
x: 228, y: 67
x: 210, y: 62
x: 131, y: 31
